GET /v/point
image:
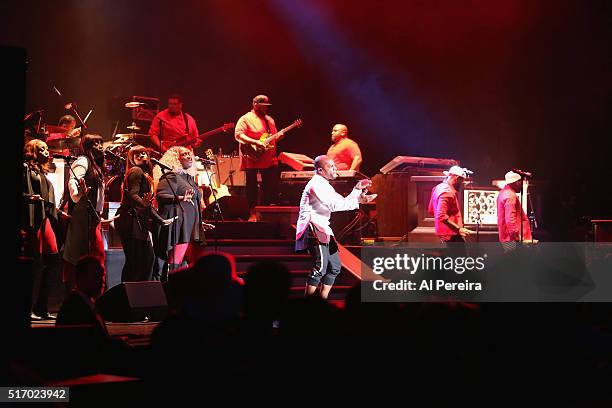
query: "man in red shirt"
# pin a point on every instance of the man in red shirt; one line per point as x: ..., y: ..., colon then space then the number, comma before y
x: 249, y: 128
x: 172, y: 126
x: 444, y: 206
x: 344, y: 152
x: 510, y: 213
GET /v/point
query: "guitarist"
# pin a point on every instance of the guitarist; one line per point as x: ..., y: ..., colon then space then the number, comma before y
x: 248, y: 130
x: 172, y: 126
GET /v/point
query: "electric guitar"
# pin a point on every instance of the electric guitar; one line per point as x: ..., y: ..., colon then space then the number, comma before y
x: 191, y: 142
x: 219, y: 191
x: 255, y: 151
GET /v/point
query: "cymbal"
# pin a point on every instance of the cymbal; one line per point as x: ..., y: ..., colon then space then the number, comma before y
x: 65, y: 143
x: 55, y: 129
x: 132, y: 127
x: 134, y: 104
x: 144, y: 140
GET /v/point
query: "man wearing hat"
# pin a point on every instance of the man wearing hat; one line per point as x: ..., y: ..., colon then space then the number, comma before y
x: 510, y: 213
x: 249, y: 128
x: 444, y: 206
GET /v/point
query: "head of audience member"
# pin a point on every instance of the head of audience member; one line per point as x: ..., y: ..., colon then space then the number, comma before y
x: 90, y: 276
x: 266, y: 290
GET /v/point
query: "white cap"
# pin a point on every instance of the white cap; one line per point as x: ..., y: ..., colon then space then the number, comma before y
x: 458, y: 171
x: 511, y: 177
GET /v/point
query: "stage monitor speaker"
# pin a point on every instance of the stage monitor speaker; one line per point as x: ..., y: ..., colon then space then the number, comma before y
x: 133, y: 302
x: 233, y: 207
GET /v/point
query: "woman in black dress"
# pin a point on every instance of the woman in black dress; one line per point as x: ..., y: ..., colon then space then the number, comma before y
x: 86, y: 189
x: 38, y: 217
x: 135, y: 216
x: 178, y: 196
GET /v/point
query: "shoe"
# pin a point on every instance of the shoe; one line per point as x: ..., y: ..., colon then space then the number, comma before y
x: 44, y: 316
x: 34, y: 317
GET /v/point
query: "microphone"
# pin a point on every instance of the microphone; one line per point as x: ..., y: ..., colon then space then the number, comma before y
x: 522, y: 173
x: 116, y: 156
x: 62, y: 157
x: 205, y: 161
x: 160, y: 164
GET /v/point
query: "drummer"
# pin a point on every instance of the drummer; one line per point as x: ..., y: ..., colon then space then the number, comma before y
x: 68, y: 124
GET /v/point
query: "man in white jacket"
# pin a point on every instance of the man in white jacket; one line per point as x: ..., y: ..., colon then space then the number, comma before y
x: 313, y: 232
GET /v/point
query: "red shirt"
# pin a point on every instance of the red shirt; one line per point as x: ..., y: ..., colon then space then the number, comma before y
x: 173, y: 128
x: 444, y: 205
x: 509, y: 217
x: 254, y: 126
x: 343, y: 152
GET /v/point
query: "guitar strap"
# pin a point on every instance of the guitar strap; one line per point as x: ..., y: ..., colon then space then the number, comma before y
x: 265, y: 119
x: 186, y: 124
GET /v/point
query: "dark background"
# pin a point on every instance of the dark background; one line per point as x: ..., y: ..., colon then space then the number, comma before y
x: 492, y: 84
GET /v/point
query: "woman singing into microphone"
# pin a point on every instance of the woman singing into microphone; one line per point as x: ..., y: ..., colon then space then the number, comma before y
x: 135, y: 215
x: 178, y: 196
x: 86, y: 188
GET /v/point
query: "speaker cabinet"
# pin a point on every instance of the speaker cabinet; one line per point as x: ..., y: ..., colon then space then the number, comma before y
x: 133, y: 302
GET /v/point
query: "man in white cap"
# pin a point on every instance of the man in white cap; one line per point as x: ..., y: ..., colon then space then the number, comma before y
x: 444, y: 206
x: 510, y: 213
x: 249, y: 128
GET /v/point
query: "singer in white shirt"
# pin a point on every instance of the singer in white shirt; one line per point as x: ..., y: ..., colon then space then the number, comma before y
x: 313, y: 233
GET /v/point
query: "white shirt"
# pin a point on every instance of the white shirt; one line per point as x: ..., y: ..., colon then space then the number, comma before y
x: 319, y: 200
x: 80, y: 168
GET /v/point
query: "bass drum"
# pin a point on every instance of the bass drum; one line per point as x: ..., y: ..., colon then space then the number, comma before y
x: 112, y: 190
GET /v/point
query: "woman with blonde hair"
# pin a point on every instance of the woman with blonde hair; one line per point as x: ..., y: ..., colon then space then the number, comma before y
x: 136, y: 215
x: 38, y: 216
x: 178, y: 196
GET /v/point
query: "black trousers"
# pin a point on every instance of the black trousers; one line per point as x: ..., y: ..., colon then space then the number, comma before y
x: 46, y: 269
x: 139, y: 259
x: 269, y: 186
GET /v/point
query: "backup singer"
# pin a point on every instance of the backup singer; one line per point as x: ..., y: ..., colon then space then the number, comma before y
x: 510, y: 214
x: 445, y: 208
x: 135, y: 216
x: 313, y: 232
x: 86, y: 188
x: 178, y: 196
x: 38, y: 216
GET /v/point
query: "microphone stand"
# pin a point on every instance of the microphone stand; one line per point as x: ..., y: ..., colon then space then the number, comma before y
x: 74, y: 111
x: 533, y: 222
